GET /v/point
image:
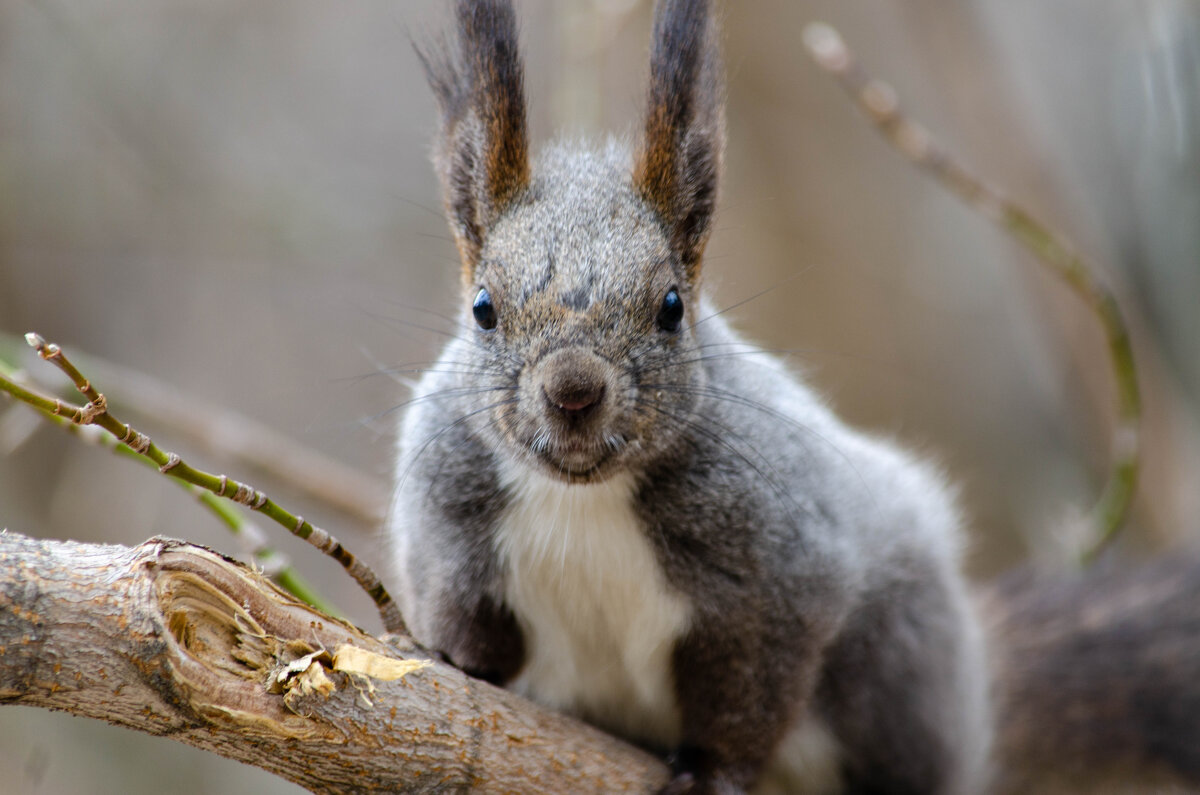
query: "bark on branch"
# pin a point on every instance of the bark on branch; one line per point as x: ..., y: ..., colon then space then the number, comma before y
x: 174, y: 639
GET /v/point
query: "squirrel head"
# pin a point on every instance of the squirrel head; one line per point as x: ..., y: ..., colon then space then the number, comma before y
x: 581, y: 267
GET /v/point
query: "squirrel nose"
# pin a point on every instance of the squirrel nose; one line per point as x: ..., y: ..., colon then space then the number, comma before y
x: 574, y: 384
x: 575, y: 398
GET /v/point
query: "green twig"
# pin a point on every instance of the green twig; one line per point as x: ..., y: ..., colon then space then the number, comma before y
x: 95, y: 412
x: 270, y: 561
x: 878, y: 100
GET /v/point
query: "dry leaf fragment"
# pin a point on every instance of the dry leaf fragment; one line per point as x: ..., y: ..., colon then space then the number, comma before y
x: 353, y: 660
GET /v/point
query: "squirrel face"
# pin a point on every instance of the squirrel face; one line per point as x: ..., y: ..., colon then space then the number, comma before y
x: 582, y: 308
x: 581, y: 270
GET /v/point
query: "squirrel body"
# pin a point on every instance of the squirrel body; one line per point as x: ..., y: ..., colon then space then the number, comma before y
x: 744, y: 521
x: 600, y: 607
x: 610, y: 502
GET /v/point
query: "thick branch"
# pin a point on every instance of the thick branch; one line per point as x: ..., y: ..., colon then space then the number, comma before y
x: 173, y: 639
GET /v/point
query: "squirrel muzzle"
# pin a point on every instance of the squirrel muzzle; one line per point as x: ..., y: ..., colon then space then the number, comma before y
x: 574, y: 395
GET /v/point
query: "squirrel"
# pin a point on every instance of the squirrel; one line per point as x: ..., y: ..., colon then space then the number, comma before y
x: 609, y: 502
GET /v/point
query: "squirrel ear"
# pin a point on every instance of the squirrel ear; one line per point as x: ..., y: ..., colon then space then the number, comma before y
x: 679, y: 163
x: 482, y: 150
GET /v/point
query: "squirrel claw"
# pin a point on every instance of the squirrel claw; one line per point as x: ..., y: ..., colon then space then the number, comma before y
x: 688, y: 783
x: 681, y: 784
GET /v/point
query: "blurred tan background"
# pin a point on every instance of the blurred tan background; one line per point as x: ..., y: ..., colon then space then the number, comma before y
x: 235, y: 198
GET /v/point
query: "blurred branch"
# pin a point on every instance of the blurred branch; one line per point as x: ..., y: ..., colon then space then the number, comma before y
x: 232, y: 435
x: 229, y: 435
x: 881, y: 105
x: 175, y: 640
x: 95, y: 412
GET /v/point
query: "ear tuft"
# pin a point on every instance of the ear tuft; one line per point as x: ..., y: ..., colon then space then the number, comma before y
x: 482, y: 150
x: 679, y: 163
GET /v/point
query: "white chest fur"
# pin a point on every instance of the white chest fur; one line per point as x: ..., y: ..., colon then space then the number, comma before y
x: 599, y: 619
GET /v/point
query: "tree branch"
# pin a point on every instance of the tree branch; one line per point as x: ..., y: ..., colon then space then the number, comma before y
x: 96, y: 412
x: 174, y: 639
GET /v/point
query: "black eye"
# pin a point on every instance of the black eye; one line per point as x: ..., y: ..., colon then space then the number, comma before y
x: 670, y: 315
x: 484, y: 311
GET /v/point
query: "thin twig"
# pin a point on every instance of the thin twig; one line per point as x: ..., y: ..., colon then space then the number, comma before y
x: 881, y: 105
x: 95, y: 412
x: 269, y: 560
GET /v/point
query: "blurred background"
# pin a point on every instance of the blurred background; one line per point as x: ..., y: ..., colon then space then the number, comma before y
x: 235, y: 199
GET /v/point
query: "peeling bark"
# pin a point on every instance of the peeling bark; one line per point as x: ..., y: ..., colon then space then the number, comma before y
x: 173, y: 639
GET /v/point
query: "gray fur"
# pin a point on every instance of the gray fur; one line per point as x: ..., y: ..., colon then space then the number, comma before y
x: 819, y: 565
x: 1097, y: 684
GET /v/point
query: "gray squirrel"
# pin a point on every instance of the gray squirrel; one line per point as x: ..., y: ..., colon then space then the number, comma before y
x: 611, y: 503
